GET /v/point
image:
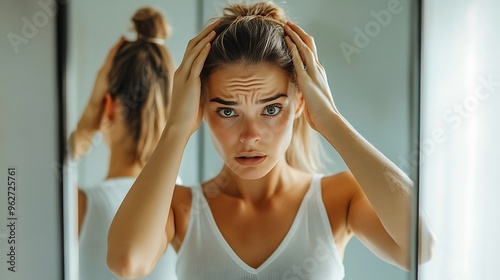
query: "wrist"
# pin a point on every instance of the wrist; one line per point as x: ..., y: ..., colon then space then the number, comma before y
x: 336, y: 130
x: 89, y: 121
x: 330, y: 122
x: 177, y: 130
x: 82, y: 137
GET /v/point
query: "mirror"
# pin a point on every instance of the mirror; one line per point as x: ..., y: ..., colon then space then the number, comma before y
x: 367, y: 48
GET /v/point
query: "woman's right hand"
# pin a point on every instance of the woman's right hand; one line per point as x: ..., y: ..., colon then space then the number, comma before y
x: 186, y: 110
x: 80, y: 140
x: 95, y: 106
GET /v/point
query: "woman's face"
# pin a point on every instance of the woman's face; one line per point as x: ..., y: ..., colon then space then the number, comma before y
x: 250, y: 110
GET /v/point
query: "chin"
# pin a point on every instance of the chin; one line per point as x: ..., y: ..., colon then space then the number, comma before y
x: 250, y: 172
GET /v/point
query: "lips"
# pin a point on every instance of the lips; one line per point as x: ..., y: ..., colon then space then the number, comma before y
x: 250, y: 158
x: 250, y: 154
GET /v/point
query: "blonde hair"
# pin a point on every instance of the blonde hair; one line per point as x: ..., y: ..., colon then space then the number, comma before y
x: 140, y: 79
x: 253, y: 33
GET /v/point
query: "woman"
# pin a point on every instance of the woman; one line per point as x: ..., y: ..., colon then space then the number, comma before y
x: 256, y: 81
x: 129, y: 105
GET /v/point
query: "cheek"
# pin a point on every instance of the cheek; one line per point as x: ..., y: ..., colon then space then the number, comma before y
x: 221, y: 133
x: 273, y: 130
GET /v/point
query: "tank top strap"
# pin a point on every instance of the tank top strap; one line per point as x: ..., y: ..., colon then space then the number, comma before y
x: 199, y: 205
x: 317, y: 205
x: 193, y: 218
x: 316, y: 184
x: 196, y: 200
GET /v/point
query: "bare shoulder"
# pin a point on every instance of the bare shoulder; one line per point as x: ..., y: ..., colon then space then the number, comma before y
x: 337, y: 192
x: 341, y: 186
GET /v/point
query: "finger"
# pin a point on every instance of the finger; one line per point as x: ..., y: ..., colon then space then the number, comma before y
x: 309, y: 40
x: 112, y: 52
x: 305, y: 52
x: 200, y: 61
x: 202, y: 35
x: 297, y: 60
x: 118, y: 44
x: 190, y: 56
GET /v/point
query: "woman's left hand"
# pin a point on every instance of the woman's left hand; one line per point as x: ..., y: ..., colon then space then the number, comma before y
x: 311, y: 77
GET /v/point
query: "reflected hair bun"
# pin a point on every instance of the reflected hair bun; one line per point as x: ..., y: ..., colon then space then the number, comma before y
x: 151, y: 25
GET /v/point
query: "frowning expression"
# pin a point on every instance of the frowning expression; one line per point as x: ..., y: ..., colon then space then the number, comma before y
x: 250, y: 110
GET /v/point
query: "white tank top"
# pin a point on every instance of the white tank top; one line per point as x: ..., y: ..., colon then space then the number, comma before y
x: 103, y: 201
x: 307, y: 251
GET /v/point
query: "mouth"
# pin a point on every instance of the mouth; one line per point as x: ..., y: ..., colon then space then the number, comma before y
x: 250, y: 160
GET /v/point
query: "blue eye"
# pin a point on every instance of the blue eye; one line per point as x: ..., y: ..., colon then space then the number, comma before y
x: 272, y: 110
x: 226, y: 112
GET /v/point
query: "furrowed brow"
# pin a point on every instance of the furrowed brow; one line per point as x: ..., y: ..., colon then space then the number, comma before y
x: 224, y: 102
x: 272, y: 98
x: 234, y: 103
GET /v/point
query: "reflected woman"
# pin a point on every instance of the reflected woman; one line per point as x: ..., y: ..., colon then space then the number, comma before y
x: 256, y: 80
x: 129, y: 104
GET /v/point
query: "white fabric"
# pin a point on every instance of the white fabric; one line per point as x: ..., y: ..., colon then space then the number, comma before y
x: 103, y: 201
x: 307, y: 251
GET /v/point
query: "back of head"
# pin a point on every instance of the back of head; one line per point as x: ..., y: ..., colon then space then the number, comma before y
x: 140, y: 80
x: 254, y: 33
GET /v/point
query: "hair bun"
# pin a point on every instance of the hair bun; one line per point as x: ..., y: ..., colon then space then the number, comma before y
x: 150, y: 23
x: 264, y: 9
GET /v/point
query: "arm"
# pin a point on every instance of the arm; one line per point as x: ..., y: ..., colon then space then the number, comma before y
x: 80, y: 139
x: 145, y: 222
x: 380, y: 208
x: 137, y: 236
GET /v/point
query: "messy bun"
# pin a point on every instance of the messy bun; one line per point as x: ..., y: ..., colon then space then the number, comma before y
x: 140, y: 79
x: 266, y: 10
x: 149, y: 23
x: 252, y: 34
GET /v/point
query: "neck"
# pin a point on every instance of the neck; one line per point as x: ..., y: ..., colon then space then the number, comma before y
x: 257, y: 191
x: 122, y: 164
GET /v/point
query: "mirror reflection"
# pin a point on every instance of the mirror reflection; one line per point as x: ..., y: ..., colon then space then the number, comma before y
x: 248, y: 170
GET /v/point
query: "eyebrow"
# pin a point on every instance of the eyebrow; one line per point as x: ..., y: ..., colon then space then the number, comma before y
x: 234, y: 103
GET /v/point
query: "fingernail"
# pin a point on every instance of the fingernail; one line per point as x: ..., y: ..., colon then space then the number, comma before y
x: 212, y: 33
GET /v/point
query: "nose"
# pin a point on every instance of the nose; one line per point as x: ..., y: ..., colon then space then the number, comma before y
x: 250, y: 132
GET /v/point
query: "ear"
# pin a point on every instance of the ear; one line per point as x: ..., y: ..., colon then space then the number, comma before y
x: 300, y: 104
x: 108, y: 113
x: 109, y: 107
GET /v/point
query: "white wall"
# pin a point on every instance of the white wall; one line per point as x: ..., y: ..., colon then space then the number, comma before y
x: 28, y: 141
x: 460, y: 130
